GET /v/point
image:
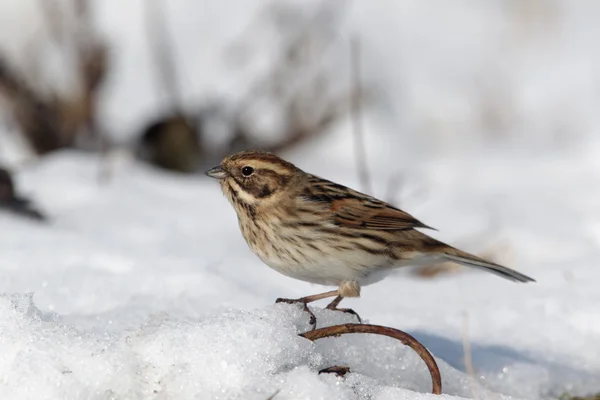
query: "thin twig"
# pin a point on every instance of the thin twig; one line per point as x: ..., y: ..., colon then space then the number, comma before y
x: 161, y: 45
x: 405, y: 338
x: 468, y: 360
x: 294, y: 63
x: 355, y: 110
x: 54, y: 19
x: 281, y: 65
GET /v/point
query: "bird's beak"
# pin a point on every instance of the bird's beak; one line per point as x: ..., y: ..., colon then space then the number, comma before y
x: 216, y: 172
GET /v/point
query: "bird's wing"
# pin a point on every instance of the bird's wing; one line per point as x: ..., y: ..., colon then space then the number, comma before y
x: 364, y: 213
x: 353, y: 209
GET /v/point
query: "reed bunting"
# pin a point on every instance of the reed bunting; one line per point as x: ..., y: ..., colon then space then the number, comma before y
x: 319, y: 231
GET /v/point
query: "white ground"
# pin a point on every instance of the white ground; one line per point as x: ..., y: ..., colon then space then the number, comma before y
x: 143, y: 287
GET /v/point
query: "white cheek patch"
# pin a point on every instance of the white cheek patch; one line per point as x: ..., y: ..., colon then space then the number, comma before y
x: 241, y: 194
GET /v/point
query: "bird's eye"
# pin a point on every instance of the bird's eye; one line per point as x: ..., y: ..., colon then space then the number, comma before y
x: 247, y: 171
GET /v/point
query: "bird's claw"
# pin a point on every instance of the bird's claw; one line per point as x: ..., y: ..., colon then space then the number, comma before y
x: 312, y: 320
x: 347, y: 310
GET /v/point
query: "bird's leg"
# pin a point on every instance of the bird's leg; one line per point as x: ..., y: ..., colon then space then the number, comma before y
x: 334, y: 306
x: 309, y: 299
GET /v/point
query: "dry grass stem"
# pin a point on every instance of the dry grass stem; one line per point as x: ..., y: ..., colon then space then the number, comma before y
x: 405, y: 338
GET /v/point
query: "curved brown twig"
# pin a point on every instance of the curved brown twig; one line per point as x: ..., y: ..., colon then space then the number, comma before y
x: 405, y: 338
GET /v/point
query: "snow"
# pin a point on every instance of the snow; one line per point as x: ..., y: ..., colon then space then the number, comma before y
x: 142, y: 286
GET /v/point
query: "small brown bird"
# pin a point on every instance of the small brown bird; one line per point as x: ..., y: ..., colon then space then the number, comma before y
x: 318, y: 231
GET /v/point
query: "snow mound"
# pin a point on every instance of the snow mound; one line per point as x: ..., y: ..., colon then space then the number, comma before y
x: 145, y: 289
x: 238, y: 354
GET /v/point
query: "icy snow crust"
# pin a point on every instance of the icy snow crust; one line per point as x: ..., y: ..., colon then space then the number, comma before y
x: 238, y: 354
x: 143, y: 288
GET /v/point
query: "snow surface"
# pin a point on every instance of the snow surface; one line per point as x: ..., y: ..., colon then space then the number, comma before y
x: 143, y: 287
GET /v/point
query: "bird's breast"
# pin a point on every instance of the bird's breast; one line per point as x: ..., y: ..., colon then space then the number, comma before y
x: 309, y: 254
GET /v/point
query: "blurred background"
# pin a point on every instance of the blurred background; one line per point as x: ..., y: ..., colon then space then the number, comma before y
x: 394, y: 98
x: 479, y: 118
x: 182, y: 83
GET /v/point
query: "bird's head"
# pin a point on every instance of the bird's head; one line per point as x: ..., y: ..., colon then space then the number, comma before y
x: 254, y: 177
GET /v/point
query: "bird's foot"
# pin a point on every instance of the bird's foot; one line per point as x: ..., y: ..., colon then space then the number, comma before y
x: 312, y: 320
x: 345, y: 310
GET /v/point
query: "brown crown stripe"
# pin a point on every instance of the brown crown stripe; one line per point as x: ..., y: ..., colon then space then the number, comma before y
x: 263, y: 156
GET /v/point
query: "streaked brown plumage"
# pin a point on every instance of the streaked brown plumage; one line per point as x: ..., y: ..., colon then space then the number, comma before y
x: 318, y: 231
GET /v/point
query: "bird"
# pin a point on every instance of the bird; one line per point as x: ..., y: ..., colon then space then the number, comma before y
x: 315, y: 230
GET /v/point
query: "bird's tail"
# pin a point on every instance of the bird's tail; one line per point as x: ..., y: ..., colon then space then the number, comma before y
x: 469, y: 260
x: 431, y: 246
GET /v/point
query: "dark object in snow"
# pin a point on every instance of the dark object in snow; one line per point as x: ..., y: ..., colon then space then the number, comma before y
x: 336, y: 369
x: 171, y: 143
x: 10, y: 201
x: 271, y: 397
